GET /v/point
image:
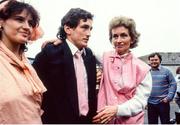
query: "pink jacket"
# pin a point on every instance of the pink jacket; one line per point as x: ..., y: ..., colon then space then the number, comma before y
x: 121, y: 76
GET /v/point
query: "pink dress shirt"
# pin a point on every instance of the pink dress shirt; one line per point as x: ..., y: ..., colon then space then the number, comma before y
x: 82, y: 96
x: 21, y: 90
x: 121, y: 76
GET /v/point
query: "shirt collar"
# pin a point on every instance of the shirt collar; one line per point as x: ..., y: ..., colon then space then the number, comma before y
x: 114, y: 54
x: 74, y: 49
x: 158, y: 68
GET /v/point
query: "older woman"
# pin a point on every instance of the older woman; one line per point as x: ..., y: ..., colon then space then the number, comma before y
x: 21, y: 89
x: 126, y: 82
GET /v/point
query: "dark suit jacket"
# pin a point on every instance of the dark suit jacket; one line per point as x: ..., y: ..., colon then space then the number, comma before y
x: 55, y: 67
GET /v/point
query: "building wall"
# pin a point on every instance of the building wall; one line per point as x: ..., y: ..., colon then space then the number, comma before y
x: 172, y: 68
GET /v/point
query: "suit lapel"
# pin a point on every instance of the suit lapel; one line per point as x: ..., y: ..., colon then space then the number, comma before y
x: 86, y: 59
x: 70, y: 77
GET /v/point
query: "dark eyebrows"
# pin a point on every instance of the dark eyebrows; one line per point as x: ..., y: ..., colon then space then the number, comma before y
x: 122, y: 35
x: 115, y: 35
x: 17, y: 16
x: 21, y: 18
x: 86, y: 27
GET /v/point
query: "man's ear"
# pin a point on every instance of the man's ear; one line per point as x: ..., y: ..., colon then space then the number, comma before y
x: 67, y: 29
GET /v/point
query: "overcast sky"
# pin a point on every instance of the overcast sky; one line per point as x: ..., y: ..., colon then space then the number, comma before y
x: 158, y: 22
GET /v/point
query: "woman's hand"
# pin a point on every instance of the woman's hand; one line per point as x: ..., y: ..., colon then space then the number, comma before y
x: 105, y: 115
x: 54, y: 41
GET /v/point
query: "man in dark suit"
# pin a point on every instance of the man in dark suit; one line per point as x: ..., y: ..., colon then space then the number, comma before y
x: 56, y: 67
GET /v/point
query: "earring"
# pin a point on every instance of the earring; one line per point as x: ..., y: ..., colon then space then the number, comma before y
x: 1, y: 28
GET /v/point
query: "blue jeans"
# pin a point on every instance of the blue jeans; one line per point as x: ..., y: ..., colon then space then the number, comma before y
x: 161, y: 110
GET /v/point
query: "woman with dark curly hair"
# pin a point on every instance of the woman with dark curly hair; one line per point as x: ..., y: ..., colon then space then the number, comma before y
x: 126, y: 81
x: 20, y: 87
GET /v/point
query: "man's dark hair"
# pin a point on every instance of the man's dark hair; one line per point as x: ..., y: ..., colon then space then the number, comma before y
x: 154, y: 54
x: 72, y: 19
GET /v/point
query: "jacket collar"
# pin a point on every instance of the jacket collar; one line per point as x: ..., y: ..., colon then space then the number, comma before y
x: 114, y: 55
x: 74, y: 49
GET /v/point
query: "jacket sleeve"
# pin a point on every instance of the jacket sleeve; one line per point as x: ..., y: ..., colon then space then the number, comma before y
x: 139, y: 101
x: 40, y: 63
